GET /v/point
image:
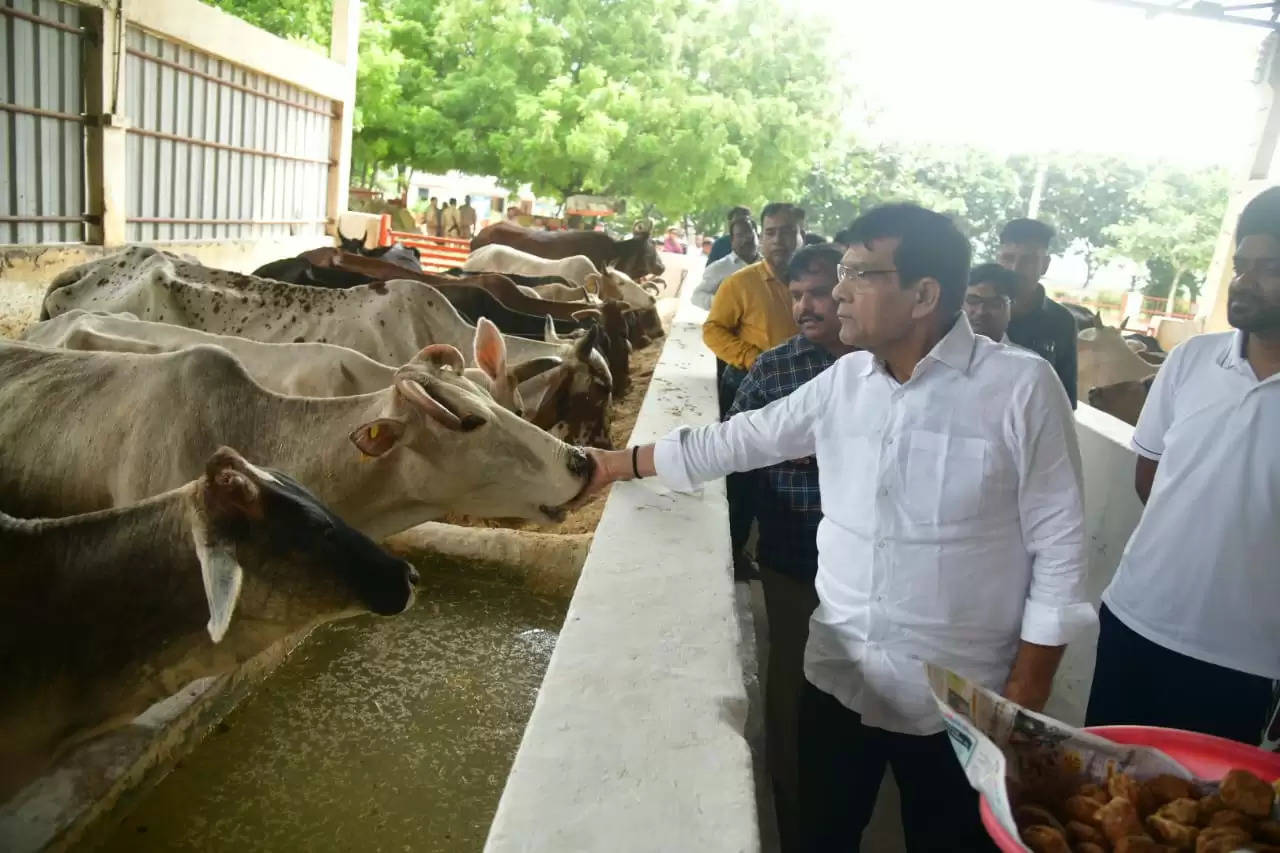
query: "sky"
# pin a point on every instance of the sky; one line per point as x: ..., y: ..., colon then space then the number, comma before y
x: 1050, y: 75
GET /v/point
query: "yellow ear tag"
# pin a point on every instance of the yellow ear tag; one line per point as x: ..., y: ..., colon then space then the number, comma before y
x: 373, y: 431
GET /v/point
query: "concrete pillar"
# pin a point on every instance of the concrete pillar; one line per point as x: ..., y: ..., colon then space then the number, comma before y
x: 344, y: 48
x: 105, y: 173
x: 1212, y: 314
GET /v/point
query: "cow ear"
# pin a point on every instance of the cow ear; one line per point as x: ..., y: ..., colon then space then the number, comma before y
x: 592, y: 283
x: 377, y: 437
x: 220, y: 573
x: 582, y: 349
x: 490, y: 349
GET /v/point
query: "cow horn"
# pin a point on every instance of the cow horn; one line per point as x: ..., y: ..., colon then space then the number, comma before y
x: 1124, y: 321
x: 444, y: 355
x: 434, y: 409
x: 582, y: 349
x: 549, y: 332
x: 586, y: 314
x: 526, y: 370
x: 651, y: 288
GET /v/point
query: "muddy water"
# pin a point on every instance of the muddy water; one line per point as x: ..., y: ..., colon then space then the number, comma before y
x: 375, y: 735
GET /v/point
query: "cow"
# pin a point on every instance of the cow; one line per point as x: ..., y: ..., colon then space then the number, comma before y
x: 560, y: 293
x: 635, y: 255
x: 1085, y: 318
x: 105, y: 613
x: 609, y: 284
x: 1123, y: 400
x: 1105, y: 359
x: 132, y: 425
x: 397, y: 253
x: 300, y: 370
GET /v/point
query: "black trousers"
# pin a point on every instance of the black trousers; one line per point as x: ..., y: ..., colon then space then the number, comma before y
x: 842, y: 763
x: 1138, y: 682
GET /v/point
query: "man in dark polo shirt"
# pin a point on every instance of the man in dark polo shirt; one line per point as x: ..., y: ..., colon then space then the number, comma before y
x: 1038, y: 323
x: 784, y: 500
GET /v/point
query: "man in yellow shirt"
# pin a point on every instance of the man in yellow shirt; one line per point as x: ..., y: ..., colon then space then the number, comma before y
x: 751, y: 311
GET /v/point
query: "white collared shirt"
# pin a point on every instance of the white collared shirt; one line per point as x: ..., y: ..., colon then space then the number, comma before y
x: 1201, y: 573
x: 952, y: 516
x: 716, y: 272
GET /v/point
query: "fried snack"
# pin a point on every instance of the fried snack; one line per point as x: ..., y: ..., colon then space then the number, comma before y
x: 1221, y: 839
x: 1244, y: 792
x: 1231, y: 817
x: 1182, y: 810
x: 1119, y: 819
x: 1031, y: 814
x: 1088, y: 847
x: 1045, y: 839
x: 1123, y: 785
x: 1266, y: 830
x: 1157, y: 791
x: 1081, y: 832
x: 1173, y: 833
x: 1208, y: 807
x: 1140, y: 844
x: 1082, y: 809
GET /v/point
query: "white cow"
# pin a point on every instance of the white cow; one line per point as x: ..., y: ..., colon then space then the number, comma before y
x: 575, y: 269
x: 1105, y: 358
x: 301, y: 369
x: 103, y: 614
x: 90, y: 430
x: 386, y: 321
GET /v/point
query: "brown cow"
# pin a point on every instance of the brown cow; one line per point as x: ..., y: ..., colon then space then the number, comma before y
x: 1123, y: 400
x: 635, y: 256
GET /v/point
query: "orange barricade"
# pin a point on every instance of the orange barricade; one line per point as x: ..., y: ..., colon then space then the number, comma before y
x: 438, y: 253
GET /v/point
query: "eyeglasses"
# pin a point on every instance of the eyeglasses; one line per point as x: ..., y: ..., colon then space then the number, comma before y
x: 844, y: 273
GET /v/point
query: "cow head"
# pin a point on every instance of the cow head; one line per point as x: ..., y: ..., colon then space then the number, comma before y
x: 496, y: 375
x: 616, y: 284
x: 445, y: 439
x: 573, y: 399
x: 354, y: 245
x: 266, y: 543
x: 1123, y: 400
x: 637, y: 257
x: 1104, y: 358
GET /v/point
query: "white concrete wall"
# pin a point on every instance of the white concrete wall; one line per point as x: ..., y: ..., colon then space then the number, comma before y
x: 636, y: 740
x: 1112, y: 510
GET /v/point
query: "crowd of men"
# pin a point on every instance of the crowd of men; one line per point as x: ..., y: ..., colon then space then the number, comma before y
x: 898, y: 424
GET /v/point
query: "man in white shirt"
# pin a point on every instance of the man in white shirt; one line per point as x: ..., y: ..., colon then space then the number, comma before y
x: 952, y: 528
x: 1191, y: 623
x: 746, y: 251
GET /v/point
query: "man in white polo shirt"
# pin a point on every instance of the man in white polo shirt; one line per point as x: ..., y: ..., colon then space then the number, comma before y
x: 952, y: 528
x: 1191, y: 623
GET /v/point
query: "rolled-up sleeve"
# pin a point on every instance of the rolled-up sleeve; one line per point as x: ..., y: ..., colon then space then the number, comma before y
x: 1051, y: 511
x: 784, y: 429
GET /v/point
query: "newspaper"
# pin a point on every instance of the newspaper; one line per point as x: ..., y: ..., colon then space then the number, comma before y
x: 1006, y: 749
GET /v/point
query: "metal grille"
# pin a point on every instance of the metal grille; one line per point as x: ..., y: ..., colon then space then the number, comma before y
x: 42, y: 193
x: 219, y: 152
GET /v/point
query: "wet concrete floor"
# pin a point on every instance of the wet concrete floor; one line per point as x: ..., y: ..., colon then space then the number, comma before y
x: 375, y: 735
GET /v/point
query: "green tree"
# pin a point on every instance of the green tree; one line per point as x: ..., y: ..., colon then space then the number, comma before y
x: 1084, y: 195
x: 1174, y: 232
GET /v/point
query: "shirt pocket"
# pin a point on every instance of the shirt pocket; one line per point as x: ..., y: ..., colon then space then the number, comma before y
x: 943, y: 477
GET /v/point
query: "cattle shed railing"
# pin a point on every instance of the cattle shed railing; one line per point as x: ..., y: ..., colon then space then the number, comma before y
x: 168, y: 120
x: 437, y: 253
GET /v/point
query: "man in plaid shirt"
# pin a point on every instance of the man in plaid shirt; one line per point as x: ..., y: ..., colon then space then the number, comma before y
x: 784, y: 500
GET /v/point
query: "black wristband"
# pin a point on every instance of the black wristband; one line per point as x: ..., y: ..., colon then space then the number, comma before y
x: 635, y: 469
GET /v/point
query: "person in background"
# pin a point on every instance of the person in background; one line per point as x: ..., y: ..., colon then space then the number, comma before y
x: 467, y: 218
x: 746, y: 250
x: 673, y: 243
x: 987, y: 301
x: 813, y: 239
x: 451, y: 223
x: 707, y: 243
x: 952, y: 528
x: 724, y: 243
x: 1037, y: 322
x: 433, y: 217
x: 787, y: 508
x: 751, y: 310
x: 1191, y: 622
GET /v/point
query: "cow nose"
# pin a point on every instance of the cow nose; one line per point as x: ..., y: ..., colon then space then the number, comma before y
x: 579, y: 462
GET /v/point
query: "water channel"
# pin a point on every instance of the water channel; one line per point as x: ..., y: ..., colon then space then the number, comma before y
x: 375, y: 735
